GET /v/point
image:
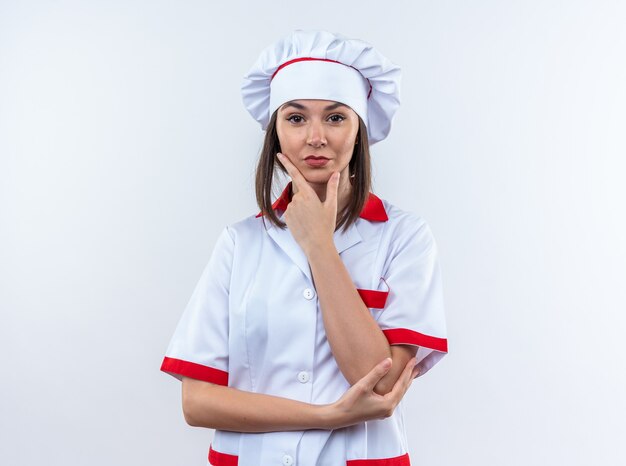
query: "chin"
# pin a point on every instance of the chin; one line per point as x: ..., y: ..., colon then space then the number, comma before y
x: 317, y: 178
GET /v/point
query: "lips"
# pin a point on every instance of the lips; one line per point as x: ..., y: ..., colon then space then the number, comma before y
x: 315, y: 158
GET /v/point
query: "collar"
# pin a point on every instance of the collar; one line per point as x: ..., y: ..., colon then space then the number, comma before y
x: 374, y: 210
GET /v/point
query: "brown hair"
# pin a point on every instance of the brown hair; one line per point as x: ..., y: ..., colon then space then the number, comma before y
x: 359, y: 166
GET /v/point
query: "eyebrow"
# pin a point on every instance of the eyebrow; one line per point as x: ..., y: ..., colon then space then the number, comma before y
x: 302, y: 107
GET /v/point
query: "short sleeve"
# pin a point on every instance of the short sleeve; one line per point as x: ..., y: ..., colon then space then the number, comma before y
x: 413, y: 313
x: 199, y: 346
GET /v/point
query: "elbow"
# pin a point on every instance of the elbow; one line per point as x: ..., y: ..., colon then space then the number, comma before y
x: 385, y: 384
x: 190, y: 395
x: 188, y: 411
x: 199, y: 403
x: 382, y: 387
x: 189, y: 419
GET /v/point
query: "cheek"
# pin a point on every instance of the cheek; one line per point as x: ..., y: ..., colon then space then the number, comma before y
x: 286, y: 138
x: 349, y: 139
x: 352, y: 133
x: 348, y: 148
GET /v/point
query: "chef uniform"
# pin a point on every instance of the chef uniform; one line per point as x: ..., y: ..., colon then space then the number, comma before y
x: 254, y: 321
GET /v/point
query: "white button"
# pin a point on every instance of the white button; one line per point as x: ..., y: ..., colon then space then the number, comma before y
x: 308, y: 293
x: 287, y: 460
x: 303, y: 376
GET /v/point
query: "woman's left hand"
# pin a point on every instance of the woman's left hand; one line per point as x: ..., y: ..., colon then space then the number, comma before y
x: 311, y: 222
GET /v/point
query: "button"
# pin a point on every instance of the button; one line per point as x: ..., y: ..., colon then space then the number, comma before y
x: 287, y: 460
x: 308, y: 293
x: 303, y: 376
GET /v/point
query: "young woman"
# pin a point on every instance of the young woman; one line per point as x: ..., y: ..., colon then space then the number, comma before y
x: 313, y: 316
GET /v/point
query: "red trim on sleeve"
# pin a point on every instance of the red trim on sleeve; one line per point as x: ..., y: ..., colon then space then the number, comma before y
x: 404, y: 336
x: 222, y: 459
x: 195, y: 371
x: 402, y: 460
x: 373, y: 298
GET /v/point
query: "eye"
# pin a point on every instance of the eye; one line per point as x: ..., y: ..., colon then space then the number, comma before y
x: 341, y: 118
x: 298, y: 118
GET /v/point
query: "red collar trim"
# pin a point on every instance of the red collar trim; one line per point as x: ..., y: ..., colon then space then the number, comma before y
x: 373, y: 210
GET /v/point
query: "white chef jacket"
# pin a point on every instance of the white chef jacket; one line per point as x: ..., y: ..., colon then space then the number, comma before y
x: 254, y: 323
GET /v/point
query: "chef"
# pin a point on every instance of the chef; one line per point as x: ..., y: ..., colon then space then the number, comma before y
x: 314, y: 315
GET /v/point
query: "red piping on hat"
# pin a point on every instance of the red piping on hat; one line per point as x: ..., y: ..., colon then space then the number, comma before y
x: 295, y: 60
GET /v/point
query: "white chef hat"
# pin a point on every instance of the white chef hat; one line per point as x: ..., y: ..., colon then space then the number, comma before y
x: 323, y: 65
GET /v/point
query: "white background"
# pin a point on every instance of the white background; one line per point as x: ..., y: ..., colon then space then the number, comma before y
x: 125, y: 149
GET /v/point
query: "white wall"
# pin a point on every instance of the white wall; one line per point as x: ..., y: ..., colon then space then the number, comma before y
x: 124, y: 149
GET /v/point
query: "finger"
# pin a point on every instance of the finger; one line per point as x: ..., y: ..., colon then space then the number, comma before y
x: 294, y: 173
x: 332, y: 187
x: 378, y: 371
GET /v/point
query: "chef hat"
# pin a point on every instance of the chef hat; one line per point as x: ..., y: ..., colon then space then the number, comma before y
x: 323, y: 65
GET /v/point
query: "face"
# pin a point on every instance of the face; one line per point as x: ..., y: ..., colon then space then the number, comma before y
x: 318, y: 128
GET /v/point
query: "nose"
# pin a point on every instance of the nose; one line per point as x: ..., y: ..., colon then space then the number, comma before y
x: 315, y: 135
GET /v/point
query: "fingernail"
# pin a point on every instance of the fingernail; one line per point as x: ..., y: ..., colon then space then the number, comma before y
x: 387, y: 362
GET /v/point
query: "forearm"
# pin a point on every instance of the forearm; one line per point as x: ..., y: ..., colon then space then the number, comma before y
x: 228, y: 408
x: 356, y: 340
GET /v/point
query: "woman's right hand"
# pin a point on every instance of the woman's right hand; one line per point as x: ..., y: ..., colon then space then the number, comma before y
x: 361, y: 403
